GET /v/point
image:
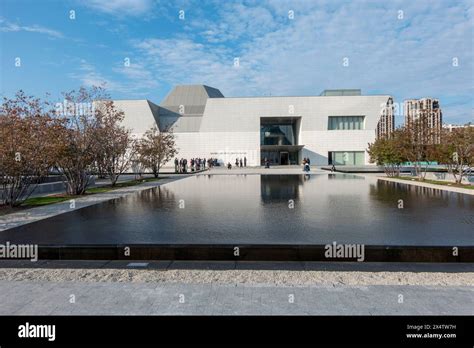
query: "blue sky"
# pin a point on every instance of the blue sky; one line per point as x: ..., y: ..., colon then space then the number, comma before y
x: 402, y: 48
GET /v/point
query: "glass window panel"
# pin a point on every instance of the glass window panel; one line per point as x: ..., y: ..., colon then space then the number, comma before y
x: 338, y: 157
x: 359, y: 158
x: 345, y: 122
x: 349, y: 158
x: 274, y: 134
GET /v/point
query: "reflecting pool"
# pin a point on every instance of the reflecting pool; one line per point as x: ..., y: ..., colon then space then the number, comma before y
x: 266, y: 209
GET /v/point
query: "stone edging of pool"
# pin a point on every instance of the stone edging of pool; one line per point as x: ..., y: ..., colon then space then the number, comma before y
x: 372, y: 253
x: 427, y: 185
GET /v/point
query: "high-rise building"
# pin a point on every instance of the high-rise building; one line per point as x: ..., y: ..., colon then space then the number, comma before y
x: 386, y: 123
x: 424, y: 116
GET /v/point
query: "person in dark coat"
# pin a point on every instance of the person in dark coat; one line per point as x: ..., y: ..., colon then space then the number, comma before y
x: 267, y: 163
x: 245, y: 161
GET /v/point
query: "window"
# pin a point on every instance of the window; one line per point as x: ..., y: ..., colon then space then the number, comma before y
x: 278, y: 134
x: 351, y: 158
x: 346, y: 122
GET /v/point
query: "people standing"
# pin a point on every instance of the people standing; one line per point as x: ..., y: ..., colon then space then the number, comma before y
x: 306, y: 167
x: 237, y: 162
x: 176, y: 165
x: 241, y: 164
x: 245, y: 161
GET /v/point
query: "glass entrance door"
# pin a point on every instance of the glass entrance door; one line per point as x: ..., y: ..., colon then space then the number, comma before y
x: 284, y: 158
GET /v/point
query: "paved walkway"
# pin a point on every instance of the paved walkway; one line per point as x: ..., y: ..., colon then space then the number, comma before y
x: 278, y: 170
x: 47, y: 211
x: 227, y: 288
x: 54, y: 298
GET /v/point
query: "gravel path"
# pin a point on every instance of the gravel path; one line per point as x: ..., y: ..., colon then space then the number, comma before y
x: 252, y: 277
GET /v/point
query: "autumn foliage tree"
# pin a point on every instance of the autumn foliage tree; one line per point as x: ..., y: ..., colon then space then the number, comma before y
x: 93, y: 140
x: 456, y: 151
x: 78, y: 139
x: 156, y: 149
x: 388, y: 152
x: 28, y: 146
x: 418, y: 143
x: 116, y: 147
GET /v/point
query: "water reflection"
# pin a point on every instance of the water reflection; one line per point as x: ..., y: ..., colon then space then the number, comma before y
x: 280, y: 209
x: 280, y: 187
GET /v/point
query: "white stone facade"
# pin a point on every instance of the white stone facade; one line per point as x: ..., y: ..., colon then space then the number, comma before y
x: 209, y: 125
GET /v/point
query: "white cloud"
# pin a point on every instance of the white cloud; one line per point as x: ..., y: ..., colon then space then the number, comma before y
x: 138, y: 76
x: 178, y: 61
x: 131, y: 80
x: 407, y: 58
x: 236, y: 21
x: 88, y: 76
x: 6, y: 26
x: 120, y: 7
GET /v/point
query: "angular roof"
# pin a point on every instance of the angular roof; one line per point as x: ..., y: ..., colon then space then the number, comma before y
x: 183, y: 107
x: 190, y: 95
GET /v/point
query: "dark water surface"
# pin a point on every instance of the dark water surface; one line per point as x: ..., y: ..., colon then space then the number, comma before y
x: 255, y: 209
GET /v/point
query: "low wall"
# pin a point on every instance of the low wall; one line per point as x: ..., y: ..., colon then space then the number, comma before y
x: 373, y: 253
x: 52, y: 184
x: 440, y: 176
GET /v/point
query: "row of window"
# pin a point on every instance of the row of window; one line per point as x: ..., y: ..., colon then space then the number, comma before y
x: 346, y: 122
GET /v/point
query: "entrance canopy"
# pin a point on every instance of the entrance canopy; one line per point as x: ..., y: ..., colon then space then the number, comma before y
x: 288, y: 148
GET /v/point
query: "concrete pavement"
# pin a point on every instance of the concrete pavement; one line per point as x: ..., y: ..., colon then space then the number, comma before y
x: 227, y: 288
x: 111, y: 298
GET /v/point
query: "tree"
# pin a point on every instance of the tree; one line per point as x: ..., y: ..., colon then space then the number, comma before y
x: 79, y: 143
x: 387, y: 151
x: 116, y: 146
x: 156, y: 149
x: 456, y: 151
x: 28, y: 146
x: 418, y: 141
